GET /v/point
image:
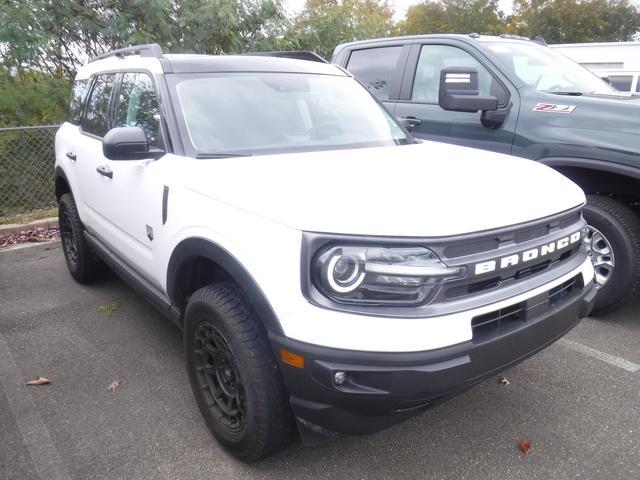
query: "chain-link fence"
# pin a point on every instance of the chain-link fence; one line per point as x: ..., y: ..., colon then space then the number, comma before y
x: 26, y: 169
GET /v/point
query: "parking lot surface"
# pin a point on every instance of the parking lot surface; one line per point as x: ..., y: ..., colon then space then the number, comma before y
x: 577, y: 403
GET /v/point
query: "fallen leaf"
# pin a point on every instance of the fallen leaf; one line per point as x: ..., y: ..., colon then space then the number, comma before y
x: 524, y: 446
x: 39, y: 381
x: 504, y: 381
x: 109, y: 309
x: 113, y: 386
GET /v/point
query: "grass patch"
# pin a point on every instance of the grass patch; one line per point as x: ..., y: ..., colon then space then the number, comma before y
x: 28, y: 217
x: 109, y: 309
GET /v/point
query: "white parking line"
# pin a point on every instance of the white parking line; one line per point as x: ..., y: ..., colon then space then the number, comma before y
x: 35, y: 433
x: 605, y: 357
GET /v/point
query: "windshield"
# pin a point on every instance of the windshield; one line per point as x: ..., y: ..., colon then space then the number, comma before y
x: 258, y: 113
x: 546, y: 70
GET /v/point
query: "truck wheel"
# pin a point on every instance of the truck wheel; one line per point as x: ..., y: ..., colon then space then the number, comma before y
x: 82, y: 263
x: 234, y: 374
x: 613, y: 243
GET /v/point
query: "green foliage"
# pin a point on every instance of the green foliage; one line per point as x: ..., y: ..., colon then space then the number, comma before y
x: 324, y: 24
x: 574, y: 21
x: 32, y: 98
x: 454, y: 16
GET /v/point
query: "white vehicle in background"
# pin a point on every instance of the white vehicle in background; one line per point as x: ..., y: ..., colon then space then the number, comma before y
x: 619, y: 62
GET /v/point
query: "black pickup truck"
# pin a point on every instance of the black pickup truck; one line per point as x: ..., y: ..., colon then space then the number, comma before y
x: 518, y: 96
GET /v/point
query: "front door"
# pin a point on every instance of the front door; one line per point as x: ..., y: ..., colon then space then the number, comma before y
x: 419, y: 100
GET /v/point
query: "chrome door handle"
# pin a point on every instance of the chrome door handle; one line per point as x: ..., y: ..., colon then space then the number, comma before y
x: 71, y: 156
x: 104, y: 170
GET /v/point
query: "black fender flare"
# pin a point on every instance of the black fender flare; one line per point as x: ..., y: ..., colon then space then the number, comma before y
x: 592, y: 164
x: 200, y: 247
x: 59, y: 173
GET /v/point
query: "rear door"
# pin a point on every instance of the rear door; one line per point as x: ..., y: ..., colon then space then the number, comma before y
x: 89, y: 161
x: 418, y: 99
x: 379, y: 67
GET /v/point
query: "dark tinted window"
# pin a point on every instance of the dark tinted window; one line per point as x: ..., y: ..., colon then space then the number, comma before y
x: 433, y: 58
x: 638, y: 86
x: 138, y: 105
x: 96, y: 114
x: 374, y: 68
x: 78, y: 94
x: 621, y: 82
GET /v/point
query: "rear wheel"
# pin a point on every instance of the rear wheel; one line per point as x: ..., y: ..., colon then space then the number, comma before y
x: 82, y: 263
x: 234, y: 374
x: 613, y: 243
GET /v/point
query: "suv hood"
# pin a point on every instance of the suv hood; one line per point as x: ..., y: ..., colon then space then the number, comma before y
x: 421, y: 190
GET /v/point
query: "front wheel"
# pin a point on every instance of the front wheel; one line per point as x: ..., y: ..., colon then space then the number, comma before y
x: 613, y: 243
x: 234, y: 374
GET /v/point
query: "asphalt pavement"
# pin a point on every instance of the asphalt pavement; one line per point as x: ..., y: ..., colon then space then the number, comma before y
x: 577, y: 403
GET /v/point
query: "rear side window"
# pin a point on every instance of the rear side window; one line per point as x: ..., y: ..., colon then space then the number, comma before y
x: 96, y: 113
x: 621, y: 82
x: 374, y: 67
x: 638, y: 86
x: 138, y: 106
x: 78, y: 94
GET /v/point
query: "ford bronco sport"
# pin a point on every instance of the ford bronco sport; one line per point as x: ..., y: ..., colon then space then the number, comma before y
x: 327, y: 271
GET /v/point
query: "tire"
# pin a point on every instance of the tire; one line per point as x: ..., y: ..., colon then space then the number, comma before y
x: 82, y: 263
x: 249, y: 415
x: 620, y: 228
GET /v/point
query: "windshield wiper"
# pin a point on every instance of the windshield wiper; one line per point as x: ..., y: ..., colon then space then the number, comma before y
x: 571, y: 94
x: 221, y: 155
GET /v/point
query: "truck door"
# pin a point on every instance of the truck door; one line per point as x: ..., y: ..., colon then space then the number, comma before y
x: 418, y: 99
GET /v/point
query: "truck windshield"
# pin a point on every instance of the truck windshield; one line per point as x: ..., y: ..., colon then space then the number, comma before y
x: 548, y: 71
x: 229, y: 114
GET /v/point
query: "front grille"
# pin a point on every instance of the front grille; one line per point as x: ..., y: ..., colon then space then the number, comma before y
x: 493, y: 324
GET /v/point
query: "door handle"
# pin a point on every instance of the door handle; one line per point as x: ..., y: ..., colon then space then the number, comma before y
x: 71, y: 156
x: 104, y: 170
x: 412, y: 121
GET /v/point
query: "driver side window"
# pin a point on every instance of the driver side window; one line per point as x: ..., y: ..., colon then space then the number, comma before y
x: 138, y: 106
x: 434, y: 58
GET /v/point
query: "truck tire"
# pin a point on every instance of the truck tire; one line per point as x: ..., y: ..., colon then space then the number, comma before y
x: 82, y: 263
x: 613, y: 243
x: 234, y: 374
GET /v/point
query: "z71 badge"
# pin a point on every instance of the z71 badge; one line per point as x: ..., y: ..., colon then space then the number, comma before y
x: 554, y: 108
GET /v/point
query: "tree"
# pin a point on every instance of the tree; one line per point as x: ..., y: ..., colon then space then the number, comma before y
x: 572, y: 21
x: 324, y: 24
x: 454, y: 16
x: 57, y: 36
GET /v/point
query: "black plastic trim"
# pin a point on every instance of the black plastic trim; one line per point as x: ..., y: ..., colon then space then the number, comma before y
x: 199, y: 247
x: 165, y: 200
x: 593, y: 164
x: 137, y: 282
x: 384, y: 388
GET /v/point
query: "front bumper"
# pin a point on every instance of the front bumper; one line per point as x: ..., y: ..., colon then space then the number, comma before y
x: 386, y: 388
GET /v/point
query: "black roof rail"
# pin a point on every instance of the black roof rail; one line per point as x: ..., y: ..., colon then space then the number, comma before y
x: 147, y: 50
x: 295, y: 54
x: 540, y: 39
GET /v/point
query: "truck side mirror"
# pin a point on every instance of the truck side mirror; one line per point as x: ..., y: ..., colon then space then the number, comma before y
x: 459, y: 91
x: 128, y: 143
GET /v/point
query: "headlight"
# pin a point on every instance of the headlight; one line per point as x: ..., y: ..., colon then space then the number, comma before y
x: 380, y: 276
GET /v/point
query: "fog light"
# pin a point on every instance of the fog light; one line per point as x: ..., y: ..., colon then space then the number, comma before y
x: 339, y: 378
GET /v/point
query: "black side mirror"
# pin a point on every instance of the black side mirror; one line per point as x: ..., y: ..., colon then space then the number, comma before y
x: 128, y: 143
x: 459, y: 91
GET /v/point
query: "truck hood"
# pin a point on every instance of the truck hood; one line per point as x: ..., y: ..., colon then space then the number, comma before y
x: 421, y: 190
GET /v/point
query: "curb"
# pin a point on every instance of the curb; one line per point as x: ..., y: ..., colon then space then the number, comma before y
x: 50, y: 222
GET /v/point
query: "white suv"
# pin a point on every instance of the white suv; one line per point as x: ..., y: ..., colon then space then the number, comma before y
x: 327, y: 271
